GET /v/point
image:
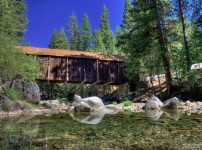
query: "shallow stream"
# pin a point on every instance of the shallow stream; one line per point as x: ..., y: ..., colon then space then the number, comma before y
x: 126, y: 130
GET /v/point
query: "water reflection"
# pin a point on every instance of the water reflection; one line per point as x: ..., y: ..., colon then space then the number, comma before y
x: 17, y: 131
x: 100, y: 131
x: 90, y: 118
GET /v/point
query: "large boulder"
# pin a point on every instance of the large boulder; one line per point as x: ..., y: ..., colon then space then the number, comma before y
x: 28, y: 89
x: 82, y: 107
x: 171, y: 103
x: 95, y: 103
x: 153, y: 103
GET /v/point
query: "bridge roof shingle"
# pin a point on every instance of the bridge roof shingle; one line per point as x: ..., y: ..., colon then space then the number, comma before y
x: 69, y: 53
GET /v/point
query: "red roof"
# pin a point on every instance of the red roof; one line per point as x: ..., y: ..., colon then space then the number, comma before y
x: 69, y: 53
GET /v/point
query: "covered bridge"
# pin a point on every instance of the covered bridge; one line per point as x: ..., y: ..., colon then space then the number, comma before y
x: 78, y: 66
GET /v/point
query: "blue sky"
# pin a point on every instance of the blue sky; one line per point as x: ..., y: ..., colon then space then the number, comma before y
x: 45, y: 15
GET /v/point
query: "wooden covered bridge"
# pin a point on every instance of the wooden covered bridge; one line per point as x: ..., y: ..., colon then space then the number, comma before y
x: 78, y: 66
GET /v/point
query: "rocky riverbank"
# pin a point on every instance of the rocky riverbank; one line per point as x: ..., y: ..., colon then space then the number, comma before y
x: 10, y: 107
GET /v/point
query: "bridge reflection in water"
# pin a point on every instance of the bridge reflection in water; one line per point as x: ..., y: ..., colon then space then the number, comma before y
x: 78, y: 66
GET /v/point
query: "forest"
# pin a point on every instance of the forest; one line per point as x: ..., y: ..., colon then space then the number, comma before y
x: 156, y: 36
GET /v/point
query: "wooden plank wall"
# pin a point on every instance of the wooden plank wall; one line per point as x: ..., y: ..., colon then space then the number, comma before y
x: 77, y: 70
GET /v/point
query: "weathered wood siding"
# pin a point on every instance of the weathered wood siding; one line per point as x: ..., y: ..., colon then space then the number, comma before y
x: 77, y: 70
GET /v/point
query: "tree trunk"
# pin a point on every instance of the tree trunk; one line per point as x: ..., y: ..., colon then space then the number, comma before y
x: 164, y: 53
x: 188, y: 61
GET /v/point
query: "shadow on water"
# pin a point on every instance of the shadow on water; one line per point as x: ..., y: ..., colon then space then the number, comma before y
x: 150, y: 130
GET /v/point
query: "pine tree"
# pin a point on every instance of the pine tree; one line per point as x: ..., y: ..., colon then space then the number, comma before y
x: 107, y: 35
x: 99, y: 45
x: 127, y: 17
x: 53, y: 39
x: 186, y: 45
x: 86, y: 33
x: 145, y: 44
x: 80, y: 42
x: 126, y: 26
x: 73, y: 32
x: 13, y: 23
x: 61, y: 41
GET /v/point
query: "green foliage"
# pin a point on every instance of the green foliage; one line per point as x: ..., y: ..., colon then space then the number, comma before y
x: 86, y: 33
x: 61, y: 41
x: 127, y: 103
x: 105, y: 32
x: 99, y: 45
x: 14, y: 62
x: 12, y: 93
x: 53, y: 39
x: 164, y: 95
x: 62, y: 100
x: 62, y: 91
x: 73, y: 33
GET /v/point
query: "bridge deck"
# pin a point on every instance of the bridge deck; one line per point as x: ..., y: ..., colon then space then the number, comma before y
x: 78, y: 66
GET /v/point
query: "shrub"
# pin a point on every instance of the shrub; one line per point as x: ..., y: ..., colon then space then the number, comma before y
x: 127, y: 103
x: 12, y: 93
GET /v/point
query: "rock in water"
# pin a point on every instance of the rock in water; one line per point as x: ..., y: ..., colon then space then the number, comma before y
x: 171, y: 103
x: 82, y: 107
x: 94, y: 102
x: 28, y: 89
x: 153, y: 103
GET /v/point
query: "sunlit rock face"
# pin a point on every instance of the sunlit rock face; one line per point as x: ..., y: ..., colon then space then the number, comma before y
x: 28, y: 89
x: 153, y: 103
x: 95, y: 103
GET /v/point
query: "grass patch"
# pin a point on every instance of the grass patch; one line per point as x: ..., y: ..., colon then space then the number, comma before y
x: 127, y: 112
x: 12, y: 93
x: 127, y: 103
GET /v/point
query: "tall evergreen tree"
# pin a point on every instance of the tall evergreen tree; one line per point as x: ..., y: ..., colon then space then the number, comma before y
x: 146, y: 42
x: 107, y: 35
x: 53, y: 39
x: 126, y: 26
x: 61, y: 41
x: 186, y: 45
x: 99, y: 45
x: 73, y: 32
x: 86, y: 33
x: 127, y: 17
x: 13, y: 23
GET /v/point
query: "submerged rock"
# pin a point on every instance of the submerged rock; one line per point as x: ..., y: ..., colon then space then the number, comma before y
x: 154, y: 114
